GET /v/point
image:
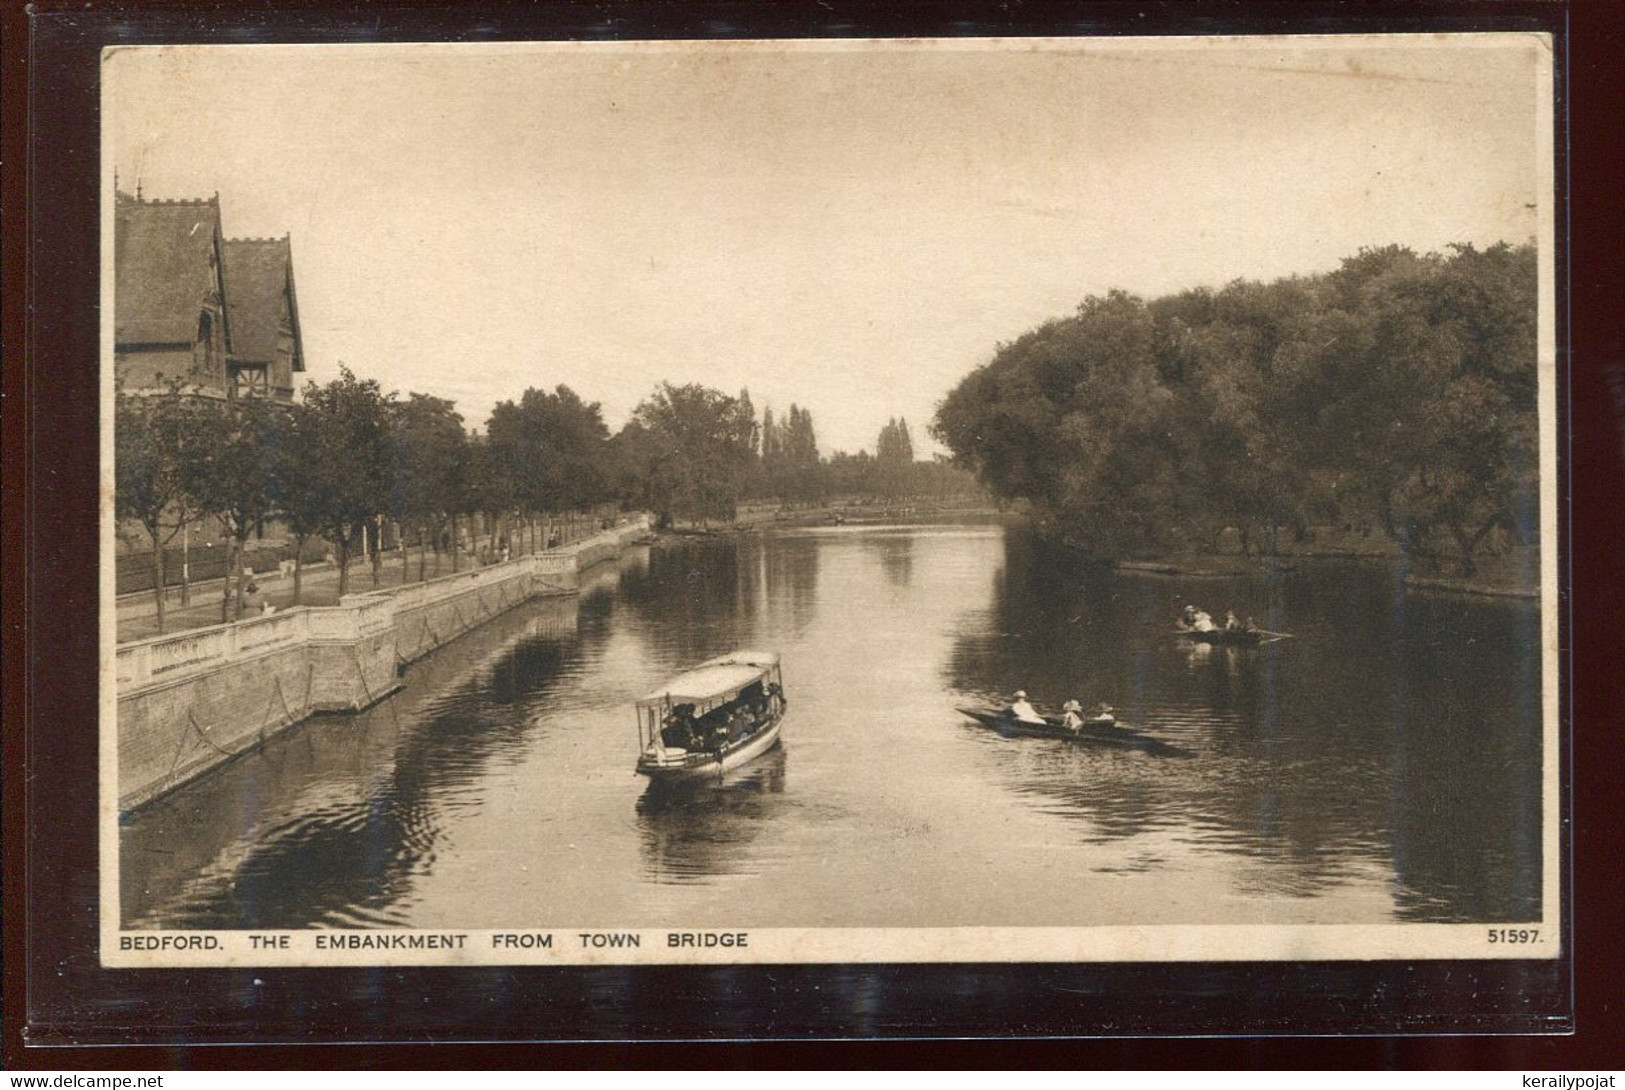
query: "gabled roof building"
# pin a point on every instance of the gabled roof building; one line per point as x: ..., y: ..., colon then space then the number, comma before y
x: 169, y: 295
x: 264, y: 315
x: 217, y: 316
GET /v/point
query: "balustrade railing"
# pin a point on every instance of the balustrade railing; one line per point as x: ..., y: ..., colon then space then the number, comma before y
x: 162, y: 658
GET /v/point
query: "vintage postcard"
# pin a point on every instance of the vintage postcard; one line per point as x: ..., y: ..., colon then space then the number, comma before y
x: 998, y: 500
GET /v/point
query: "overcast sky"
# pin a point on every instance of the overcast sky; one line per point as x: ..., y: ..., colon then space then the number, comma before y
x: 848, y: 226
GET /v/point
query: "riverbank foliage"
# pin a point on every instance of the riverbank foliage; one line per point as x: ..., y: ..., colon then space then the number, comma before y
x: 1399, y: 390
x: 350, y: 464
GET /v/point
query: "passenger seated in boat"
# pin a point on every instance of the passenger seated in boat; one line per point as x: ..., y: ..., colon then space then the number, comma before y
x: 1250, y: 627
x: 1203, y: 622
x: 1105, y: 713
x: 714, y: 732
x: 754, y: 700
x: 1230, y: 622
x: 1188, y: 618
x: 678, y: 731
x: 1072, y: 716
x: 1021, y: 711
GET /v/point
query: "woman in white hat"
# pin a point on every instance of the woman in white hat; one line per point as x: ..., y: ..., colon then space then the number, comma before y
x: 1072, y: 720
x: 1022, y: 711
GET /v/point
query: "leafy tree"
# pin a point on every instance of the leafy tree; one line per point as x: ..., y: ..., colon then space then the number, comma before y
x: 1400, y: 388
x: 492, y: 492
x: 701, y: 440
x: 1440, y: 399
x: 774, y: 475
x: 754, y: 479
x: 803, y: 481
x: 299, y: 482
x: 1074, y: 418
x: 426, y: 439
x: 643, y: 473
x: 851, y: 474
x: 229, y: 474
x: 894, y: 459
x: 349, y: 428
x: 553, y: 445
x: 153, y: 437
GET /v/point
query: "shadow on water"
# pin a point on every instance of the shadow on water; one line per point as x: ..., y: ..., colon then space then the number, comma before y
x: 694, y: 832
x: 1387, y: 736
x: 333, y: 822
x: 1385, y: 762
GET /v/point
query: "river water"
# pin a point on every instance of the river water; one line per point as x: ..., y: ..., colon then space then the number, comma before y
x: 1383, y: 764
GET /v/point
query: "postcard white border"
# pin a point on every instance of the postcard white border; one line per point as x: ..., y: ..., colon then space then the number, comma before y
x: 1160, y: 943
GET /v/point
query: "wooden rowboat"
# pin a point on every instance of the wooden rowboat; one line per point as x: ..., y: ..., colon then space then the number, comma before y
x: 1239, y: 637
x: 1103, y: 731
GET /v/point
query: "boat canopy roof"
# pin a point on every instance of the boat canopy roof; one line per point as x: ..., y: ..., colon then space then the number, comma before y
x: 721, y: 676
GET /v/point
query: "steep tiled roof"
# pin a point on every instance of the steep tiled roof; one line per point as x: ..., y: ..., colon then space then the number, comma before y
x: 259, y: 270
x: 161, y: 262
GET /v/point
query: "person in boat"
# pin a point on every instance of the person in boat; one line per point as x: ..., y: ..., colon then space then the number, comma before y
x: 775, y: 699
x: 1250, y: 627
x: 1188, y: 618
x: 1072, y: 716
x: 717, y: 729
x: 1203, y: 622
x: 1104, y: 712
x: 754, y: 699
x: 1021, y: 711
x: 678, y: 731
x: 1231, y: 624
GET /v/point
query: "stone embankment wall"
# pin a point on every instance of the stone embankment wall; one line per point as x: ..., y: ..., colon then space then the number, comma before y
x: 190, y: 701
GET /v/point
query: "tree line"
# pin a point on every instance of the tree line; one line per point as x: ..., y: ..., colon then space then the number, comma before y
x: 349, y: 457
x: 1398, y: 391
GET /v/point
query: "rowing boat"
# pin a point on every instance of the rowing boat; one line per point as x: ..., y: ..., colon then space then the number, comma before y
x: 1104, y: 731
x: 1241, y: 637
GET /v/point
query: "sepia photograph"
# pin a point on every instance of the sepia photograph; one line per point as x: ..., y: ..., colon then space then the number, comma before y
x: 830, y: 501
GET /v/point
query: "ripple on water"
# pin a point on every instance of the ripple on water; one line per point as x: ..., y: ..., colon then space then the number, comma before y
x: 1363, y: 772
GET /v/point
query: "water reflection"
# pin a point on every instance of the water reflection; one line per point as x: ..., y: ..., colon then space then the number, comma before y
x: 895, y: 552
x: 1386, y: 737
x: 334, y: 822
x: 696, y: 597
x: 1384, y: 763
x: 693, y: 832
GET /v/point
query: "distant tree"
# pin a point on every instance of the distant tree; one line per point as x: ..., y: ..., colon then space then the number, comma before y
x: 643, y: 472
x: 702, y: 440
x: 894, y: 459
x: 554, y: 446
x: 774, y: 475
x: 153, y: 438
x: 851, y: 474
x: 753, y: 483
x: 803, y: 479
